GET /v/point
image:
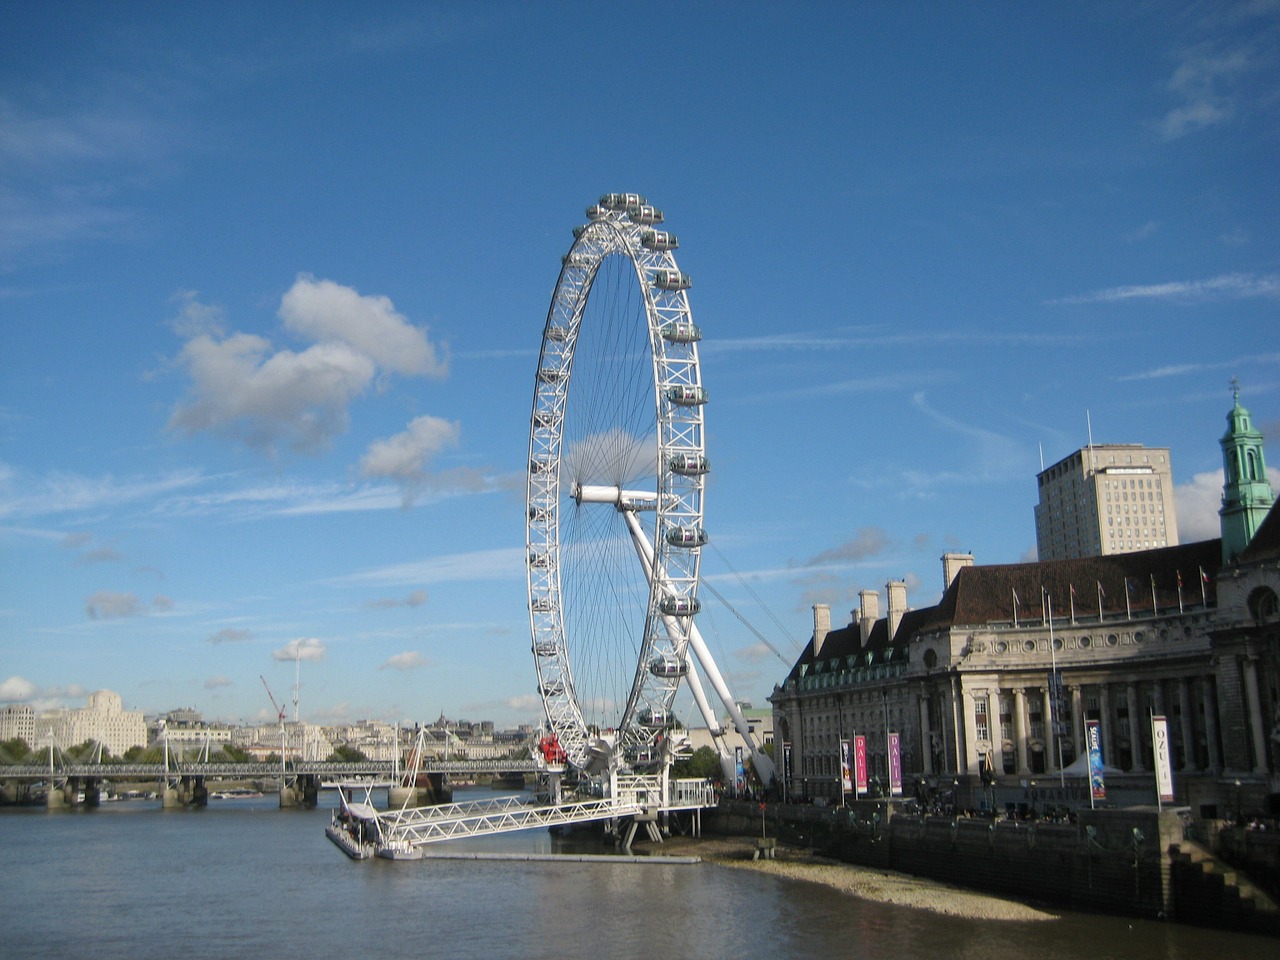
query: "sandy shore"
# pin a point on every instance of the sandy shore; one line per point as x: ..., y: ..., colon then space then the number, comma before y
x: 867, y: 882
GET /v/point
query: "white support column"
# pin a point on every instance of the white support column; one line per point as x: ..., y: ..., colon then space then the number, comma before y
x: 1050, y: 738
x: 1184, y: 712
x: 1253, y: 705
x: 1020, y: 729
x: 926, y: 736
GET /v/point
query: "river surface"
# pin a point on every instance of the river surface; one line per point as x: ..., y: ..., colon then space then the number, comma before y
x: 244, y: 879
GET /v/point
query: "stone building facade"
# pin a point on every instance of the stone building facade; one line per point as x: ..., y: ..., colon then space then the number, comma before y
x: 1188, y: 632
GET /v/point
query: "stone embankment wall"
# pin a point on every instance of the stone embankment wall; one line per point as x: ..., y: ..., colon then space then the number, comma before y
x: 1111, y: 861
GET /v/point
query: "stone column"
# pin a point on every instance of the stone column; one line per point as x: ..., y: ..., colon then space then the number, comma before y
x: 926, y: 737
x: 1135, y: 728
x: 971, y: 731
x: 1253, y: 706
x: 1211, y: 723
x: 1050, y: 736
x: 1077, y: 721
x: 1184, y: 710
x: 1108, y: 727
x: 1020, y: 729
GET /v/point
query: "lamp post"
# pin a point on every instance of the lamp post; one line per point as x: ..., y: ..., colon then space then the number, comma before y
x: 1239, y: 812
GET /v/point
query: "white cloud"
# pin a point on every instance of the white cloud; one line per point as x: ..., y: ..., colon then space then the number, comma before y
x: 217, y: 683
x: 265, y: 400
x: 231, y: 635
x: 17, y: 689
x: 106, y: 605
x: 304, y: 648
x: 324, y: 311
x: 404, y: 457
x: 409, y: 660
x: 869, y: 542
x: 1198, y: 82
x: 1227, y: 286
x: 502, y: 564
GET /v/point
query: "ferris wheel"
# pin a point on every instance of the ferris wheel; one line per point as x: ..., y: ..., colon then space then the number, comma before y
x: 617, y: 470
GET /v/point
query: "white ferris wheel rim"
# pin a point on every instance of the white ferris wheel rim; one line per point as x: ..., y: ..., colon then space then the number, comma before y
x: 621, y: 228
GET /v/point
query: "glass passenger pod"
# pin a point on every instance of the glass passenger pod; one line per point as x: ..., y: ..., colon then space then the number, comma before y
x: 545, y: 648
x: 552, y: 689
x: 687, y: 395
x: 541, y: 604
x: 537, y: 560
x: 539, y: 514
x: 654, y: 719
x: 597, y: 211
x: 557, y: 333
x: 668, y: 667
x: 689, y: 464
x: 687, y: 537
x: 576, y: 260
x: 671, y: 280
x: 680, y: 331
x: 620, y: 201
x: 551, y: 375
x: 644, y: 214
x: 641, y: 756
x: 659, y: 240
x: 579, y: 230
x: 541, y: 465
x: 544, y: 420
x: 679, y: 606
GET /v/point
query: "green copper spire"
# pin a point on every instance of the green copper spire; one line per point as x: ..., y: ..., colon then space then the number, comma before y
x: 1246, y: 495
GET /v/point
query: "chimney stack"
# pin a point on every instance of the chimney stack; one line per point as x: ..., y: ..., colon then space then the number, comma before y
x: 868, y: 613
x: 952, y: 563
x: 821, y: 626
x: 897, y: 593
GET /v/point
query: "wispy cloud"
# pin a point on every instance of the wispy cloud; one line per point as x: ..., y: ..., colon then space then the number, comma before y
x: 1228, y: 286
x: 859, y: 339
x: 501, y: 564
x: 1183, y: 369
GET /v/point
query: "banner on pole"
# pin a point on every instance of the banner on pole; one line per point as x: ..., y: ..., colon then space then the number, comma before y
x: 740, y: 770
x: 846, y: 768
x: 1160, y: 748
x: 895, y: 765
x: 786, y: 768
x: 860, y: 764
x: 1093, y: 740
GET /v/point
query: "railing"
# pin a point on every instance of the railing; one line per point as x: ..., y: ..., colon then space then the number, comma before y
x: 378, y: 769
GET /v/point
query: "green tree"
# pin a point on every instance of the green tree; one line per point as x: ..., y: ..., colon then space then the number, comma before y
x: 705, y: 763
x: 347, y: 754
x: 235, y: 754
x: 14, y: 751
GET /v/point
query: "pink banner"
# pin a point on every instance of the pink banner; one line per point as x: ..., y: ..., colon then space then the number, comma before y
x: 860, y: 764
x: 895, y: 766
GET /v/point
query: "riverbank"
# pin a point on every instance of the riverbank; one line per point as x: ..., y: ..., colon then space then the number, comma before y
x: 868, y: 883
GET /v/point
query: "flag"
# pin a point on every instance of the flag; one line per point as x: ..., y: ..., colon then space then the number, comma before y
x: 1155, y: 609
x: 1179, y: 573
x: 1204, y: 579
x: 1101, y: 593
x: 1071, y: 595
x: 1015, y: 606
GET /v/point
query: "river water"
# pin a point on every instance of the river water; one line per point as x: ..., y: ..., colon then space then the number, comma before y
x: 243, y: 879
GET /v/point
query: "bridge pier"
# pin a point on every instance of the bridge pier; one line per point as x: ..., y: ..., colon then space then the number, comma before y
x: 302, y: 790
x: 185, y: 791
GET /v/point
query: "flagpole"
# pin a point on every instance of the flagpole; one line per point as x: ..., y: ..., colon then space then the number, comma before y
x: 1099, y: 583
x: 1155, y: 608
x: 1055, y: 683
x: 1204, y: 600
x: 1128, y: 610
x: 1071, y: 596
x: 1015, y: 605
x: 1179, y: 573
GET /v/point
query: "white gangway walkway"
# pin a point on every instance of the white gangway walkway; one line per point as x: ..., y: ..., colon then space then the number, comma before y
x: 401, y: 834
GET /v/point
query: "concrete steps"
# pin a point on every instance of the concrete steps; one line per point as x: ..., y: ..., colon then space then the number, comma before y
x: 1215, y: 893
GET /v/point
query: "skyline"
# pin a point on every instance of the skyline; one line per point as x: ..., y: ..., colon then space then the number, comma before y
x: 272, y: 291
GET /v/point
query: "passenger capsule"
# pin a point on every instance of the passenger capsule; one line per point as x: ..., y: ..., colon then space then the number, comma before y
x: 653, y: 719
x: 620, y: 201
x: 671, y: 280
x: 597, y: 211
x: 644, y: 214
x: 575, y: 260
x: 545, y: 648
x: 539, y: 514
x: 544, y: 421
x: 557, y: 333
x: 679, y: 606
x: 668, y: 667
x: 659, y: 240
x: 553, y: 689
x: 541, y: 465
x: 680, y: 331
x: 689, y: 464
x: 537, y: 560
x: 578, y: 231
x: 541, y: 604
x: 641, y: 756
x: 687, y: 395
x: 550, y: 375
x: 687, y: 537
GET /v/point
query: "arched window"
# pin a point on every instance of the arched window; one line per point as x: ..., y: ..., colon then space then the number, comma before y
x: 1264, y: 606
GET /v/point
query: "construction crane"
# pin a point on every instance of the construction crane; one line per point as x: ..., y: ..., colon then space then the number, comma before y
x: 280, y: 714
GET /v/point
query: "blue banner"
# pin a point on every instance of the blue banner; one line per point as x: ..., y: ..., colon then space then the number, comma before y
x: 1093, y: 739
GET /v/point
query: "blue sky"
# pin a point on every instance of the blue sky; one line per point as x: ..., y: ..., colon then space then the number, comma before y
x: 272, y: 284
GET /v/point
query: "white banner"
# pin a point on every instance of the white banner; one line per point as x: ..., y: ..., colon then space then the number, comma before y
x: 1160, y: 748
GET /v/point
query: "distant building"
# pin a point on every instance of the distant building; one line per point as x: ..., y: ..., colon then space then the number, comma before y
x: 18, y: 721
x: 1106, y: 499
x: 1246, y: 495
x: 102, y: 720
